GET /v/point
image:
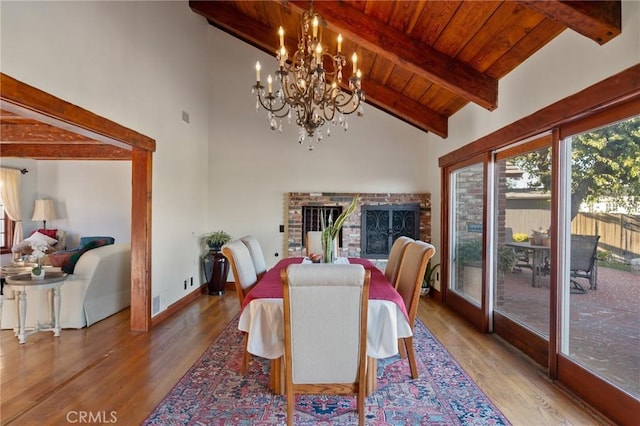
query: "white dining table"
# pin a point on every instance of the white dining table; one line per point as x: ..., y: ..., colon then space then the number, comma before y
x: 262, y: 318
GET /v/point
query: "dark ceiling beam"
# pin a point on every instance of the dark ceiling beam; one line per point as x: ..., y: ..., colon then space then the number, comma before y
x: 52, y: 151
x: 600, y: 21
x: 225, y: 17
x: 406, y: 110
x: 417, y: 57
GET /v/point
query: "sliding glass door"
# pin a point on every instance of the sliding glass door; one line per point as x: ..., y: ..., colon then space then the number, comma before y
x: 541, y: 243
x: 600, y: 316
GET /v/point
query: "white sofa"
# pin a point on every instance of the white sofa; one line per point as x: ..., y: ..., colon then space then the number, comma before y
x: 99, y: 287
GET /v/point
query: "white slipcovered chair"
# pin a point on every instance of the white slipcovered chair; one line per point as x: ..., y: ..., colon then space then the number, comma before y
x: 245, y: 278
x: 325, y: 314
x: 257, y: 255
x: 410, y: 276
x: 395, y: 256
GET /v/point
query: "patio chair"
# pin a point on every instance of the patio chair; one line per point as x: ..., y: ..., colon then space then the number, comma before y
x: 584, y: 262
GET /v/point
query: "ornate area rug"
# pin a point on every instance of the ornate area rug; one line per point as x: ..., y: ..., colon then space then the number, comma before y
x: 213, y: 392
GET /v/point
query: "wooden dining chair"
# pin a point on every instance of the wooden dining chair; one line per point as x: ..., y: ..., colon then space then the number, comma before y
x: 410, y: 276
x: 395, y: 256
x: 245, y: 278
x: 257, y: 255
x: 325, y: 325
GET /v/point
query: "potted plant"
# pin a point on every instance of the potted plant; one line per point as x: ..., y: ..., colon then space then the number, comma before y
x: 216, y: 240
x: 429, y: 278
x: 470, y: 254
x: 330, y: 230
x: 506, y: 259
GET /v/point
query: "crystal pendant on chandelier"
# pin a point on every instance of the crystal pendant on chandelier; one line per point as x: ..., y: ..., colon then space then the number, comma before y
x: 306, y: 89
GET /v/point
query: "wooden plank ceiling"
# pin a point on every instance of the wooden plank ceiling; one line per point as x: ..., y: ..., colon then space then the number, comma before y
x: 422, y: 61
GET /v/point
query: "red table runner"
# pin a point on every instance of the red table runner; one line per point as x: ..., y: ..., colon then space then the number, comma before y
x: 270, y: 286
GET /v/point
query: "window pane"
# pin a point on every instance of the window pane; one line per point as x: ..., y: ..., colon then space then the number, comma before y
x: 522, y: 277
x: 467, y: 225
x: 601, y: 309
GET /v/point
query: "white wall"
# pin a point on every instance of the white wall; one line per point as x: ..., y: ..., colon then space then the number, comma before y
x: 84, y: 204
x: 139, y: 64
x: 567, y: 65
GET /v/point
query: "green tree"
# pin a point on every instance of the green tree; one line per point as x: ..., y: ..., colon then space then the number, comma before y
x: 604, y: 163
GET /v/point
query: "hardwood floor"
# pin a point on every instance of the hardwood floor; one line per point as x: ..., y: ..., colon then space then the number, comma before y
x: 110, y: 374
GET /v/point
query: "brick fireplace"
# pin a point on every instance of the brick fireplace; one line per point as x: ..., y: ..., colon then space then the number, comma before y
x: 351, y: 234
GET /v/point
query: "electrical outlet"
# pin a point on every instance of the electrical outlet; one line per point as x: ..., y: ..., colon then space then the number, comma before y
x: 185, y: 284
x: 155, y: 304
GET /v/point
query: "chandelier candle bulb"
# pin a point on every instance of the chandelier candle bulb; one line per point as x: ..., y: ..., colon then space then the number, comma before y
x: 269, y: 81
x: 315, y: 27
x: 354, y: 59
x: 258, y: 71
x: 339, y: 43
x: 283, y: 56
x: 281, y: 33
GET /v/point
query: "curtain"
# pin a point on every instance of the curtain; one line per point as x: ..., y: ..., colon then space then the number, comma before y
x: 10, y: 196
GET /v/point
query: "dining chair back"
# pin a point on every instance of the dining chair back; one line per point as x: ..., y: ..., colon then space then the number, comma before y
x: 245, y: 278
x: 244, y: 273
x: 257, y: 255
x: 410, y: 277
x: 325, y: 313
x: 395, y: 256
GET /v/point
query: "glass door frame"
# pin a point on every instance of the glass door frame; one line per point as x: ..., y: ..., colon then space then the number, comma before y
x: 479, y: 316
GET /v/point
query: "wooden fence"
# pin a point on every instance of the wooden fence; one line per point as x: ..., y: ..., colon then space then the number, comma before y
x: 619, y: 233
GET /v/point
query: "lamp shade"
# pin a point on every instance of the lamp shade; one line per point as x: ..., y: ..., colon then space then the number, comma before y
x: 44, y: 210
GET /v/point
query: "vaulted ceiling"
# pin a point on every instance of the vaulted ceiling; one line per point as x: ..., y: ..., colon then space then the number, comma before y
x: 422, y: 61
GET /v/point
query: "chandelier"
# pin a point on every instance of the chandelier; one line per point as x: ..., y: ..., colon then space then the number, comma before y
x: 306, y: 88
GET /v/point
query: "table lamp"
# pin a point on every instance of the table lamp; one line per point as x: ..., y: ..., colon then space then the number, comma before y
x: 44, y: 210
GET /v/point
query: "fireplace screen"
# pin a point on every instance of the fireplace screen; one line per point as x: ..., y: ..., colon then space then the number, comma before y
x: 382, y: 225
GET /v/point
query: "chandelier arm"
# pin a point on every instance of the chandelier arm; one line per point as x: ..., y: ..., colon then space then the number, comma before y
x: 269, y: 107
x: 342, y: 101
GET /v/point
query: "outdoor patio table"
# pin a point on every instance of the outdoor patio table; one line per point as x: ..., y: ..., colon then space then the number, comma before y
x: 539, y: 259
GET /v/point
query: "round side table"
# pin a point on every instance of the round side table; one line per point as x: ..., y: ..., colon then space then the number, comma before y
x: 52, y: 282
